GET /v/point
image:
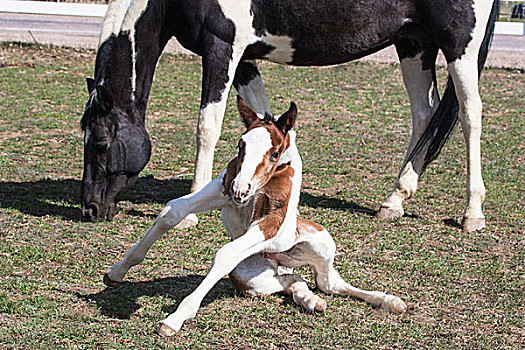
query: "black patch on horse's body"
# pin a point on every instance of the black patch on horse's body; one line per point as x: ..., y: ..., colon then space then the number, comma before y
x: 331, y: 32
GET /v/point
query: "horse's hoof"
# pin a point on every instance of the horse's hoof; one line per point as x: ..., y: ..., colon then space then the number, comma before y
x: 385, y: 213
x: 189, y: 221
x: 109, y: 282
x: 166, y: 331
x: 394, y: 304
x: 471, y: 225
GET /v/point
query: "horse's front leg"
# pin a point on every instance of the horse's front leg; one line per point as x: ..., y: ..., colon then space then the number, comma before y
x: 208, y: 198
x: 226, y: 259
x: 219, y: 63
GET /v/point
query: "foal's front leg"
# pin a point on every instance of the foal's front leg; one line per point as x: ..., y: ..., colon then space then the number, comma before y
x: 226, y: 259
x: 208, y: 198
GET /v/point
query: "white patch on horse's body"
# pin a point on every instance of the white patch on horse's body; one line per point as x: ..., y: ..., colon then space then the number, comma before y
x: 209, y: 125
x: 238, y: 11
x: 135, y: 10
x: 283, y: 52
x: 113, y: 19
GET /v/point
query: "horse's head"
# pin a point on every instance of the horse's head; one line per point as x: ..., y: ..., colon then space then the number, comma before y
x: 116, y: 149
x: 260, y: 149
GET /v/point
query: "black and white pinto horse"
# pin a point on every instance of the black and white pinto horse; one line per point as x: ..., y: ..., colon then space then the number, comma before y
x: 231, y: 34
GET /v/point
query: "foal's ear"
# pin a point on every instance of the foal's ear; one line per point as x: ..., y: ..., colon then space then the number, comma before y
x: 90, y: 85
x: 105, y: 98
x: 248, y: 116
x: 287, y: 120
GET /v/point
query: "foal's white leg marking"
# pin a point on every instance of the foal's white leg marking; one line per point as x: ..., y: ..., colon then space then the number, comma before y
x: 321, y: 258
x: 424, y: 100
x: 208, y: 198
x: 226, y: 259
x: 254, y: 94
x: 464, y: 72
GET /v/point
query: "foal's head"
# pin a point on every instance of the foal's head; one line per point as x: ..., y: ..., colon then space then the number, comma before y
x: 260, y: 149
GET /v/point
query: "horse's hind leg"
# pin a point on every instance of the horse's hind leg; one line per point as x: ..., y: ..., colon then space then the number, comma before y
x: 257, y: 276
x: 418, y: 68
x: 317, y: 248
x: 464, y: 73
x: 249, y: 85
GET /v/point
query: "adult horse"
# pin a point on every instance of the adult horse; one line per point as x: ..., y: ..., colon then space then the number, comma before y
x: 231, y: 34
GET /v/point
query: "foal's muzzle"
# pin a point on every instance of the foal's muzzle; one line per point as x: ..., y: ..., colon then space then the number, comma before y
x: 240, y: 194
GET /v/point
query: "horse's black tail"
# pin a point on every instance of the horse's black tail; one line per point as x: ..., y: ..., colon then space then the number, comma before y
x: 446, y: 116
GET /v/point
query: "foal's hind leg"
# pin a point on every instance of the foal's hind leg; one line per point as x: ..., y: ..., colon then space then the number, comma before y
x: 257, y: 276
x: 417, y: 65
x: 317, y: 248
x: 249, y: 85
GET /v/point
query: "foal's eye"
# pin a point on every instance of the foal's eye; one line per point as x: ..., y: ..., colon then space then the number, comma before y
x: 274, y: 156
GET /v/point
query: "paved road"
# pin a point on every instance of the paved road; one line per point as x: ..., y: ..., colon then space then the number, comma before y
x: 507, y: 50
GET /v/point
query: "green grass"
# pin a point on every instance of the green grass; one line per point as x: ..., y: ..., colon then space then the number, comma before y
x: 463, y: 290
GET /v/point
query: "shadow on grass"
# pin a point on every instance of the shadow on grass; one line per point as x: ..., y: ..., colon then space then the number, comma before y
x: 61, y: 198
x: 313, y: 201
x: 121, y: 301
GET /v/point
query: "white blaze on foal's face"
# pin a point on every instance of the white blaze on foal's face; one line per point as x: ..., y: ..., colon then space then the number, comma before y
x: 253, y: 150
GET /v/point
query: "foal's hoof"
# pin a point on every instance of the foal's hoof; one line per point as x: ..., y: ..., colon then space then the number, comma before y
x: 394, y: 304
x: 320, y: 306
x: 109, y: 282
x: 471, y: 225
x: 189, y: 221
x: 385, y: 213
x: 166, y: 331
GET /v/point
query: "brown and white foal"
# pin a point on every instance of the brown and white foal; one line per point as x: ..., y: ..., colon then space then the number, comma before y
x: 258, y: 193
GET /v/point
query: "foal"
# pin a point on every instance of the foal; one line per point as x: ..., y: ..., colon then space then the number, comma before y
x: 258, y: 193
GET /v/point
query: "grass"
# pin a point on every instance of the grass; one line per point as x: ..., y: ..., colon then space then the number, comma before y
x: 463, y: 290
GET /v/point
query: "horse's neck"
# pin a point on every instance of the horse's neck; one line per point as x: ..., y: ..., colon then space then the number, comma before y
x: 129, y: 51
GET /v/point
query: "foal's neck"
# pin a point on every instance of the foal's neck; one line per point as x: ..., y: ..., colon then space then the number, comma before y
x: 291, y: 156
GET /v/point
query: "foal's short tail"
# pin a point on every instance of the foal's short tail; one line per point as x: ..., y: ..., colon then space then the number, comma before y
x: 446, y: 116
